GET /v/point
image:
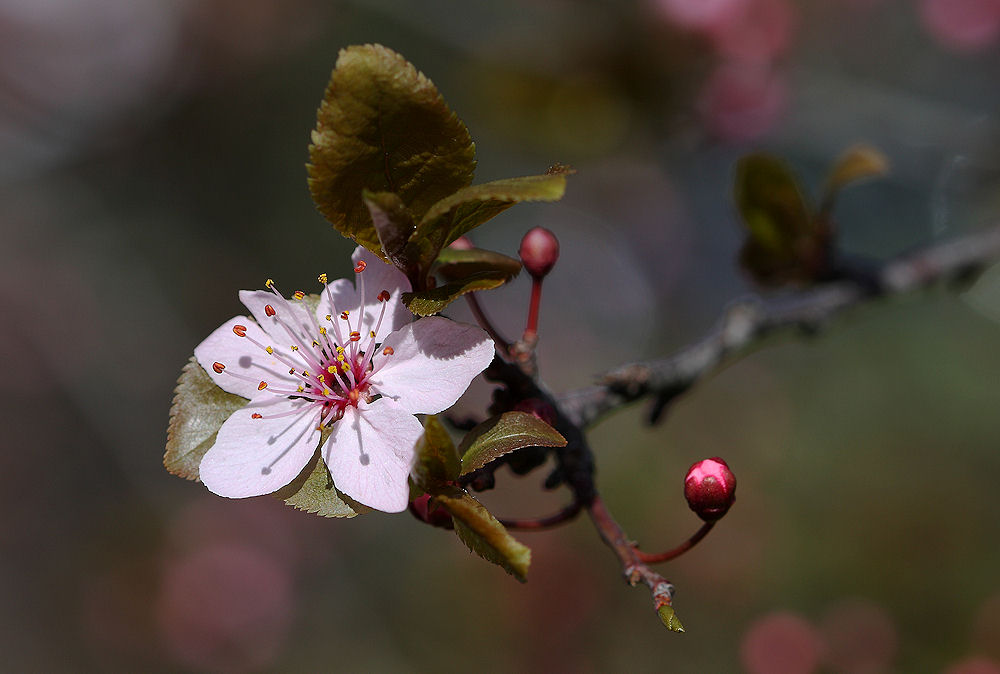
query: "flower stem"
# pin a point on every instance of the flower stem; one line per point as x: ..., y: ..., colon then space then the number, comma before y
x: 531, y: 329
x: 564, y: 515
x: 679, y: 550
x: 503, y: 346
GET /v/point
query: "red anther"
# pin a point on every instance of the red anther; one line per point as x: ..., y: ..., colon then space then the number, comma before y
x: 383, y: 296
x: 291, y: 370
x: 298, y: 294
x: 261, y: 386
x: 388, y: 351
x: 269, y: 310
x: 343, y: 314
x: 240, y: 330
x: 360, y: 266
x: 256, y: 416
x: 539, y: 251
x: 355, y: 336
x: 218, y: 367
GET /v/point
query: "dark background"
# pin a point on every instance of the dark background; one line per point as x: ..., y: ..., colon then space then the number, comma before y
x: 152, y: 164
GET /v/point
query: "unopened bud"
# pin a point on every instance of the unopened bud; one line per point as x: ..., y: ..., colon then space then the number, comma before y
x: 427, y: 511
x: 539, y: 251
x: 710, y: 488
x: 461, y: 243
x: 537, y: 408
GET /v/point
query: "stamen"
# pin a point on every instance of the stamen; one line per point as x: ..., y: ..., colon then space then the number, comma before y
x: 269, y: 284
x: 388, y: 351
x: 255, y: 415
x: 270, y: 351
x: 383, y: 296
x: 360, y: 266
x: 240, y: 330
x: 298, y: 295
x: 323, y: 278
x: 269, y: 310
x: 355, y: 336
x: 261, y: 386
x: 218, y: 367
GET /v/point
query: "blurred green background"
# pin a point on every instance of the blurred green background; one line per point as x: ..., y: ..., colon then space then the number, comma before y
x: 152, y: 163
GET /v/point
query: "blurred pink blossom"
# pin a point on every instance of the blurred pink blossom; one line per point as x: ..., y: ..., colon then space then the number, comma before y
x: 225, y: 608
x: 741, y: 102
x: 758, y: 30
x: 860, y: 637
x: 697, y: 15
x: 781, y: 643
x: 962, y: 25
x: 974, y: 665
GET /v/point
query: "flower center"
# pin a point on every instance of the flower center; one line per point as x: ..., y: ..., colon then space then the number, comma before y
x: 327, y: 366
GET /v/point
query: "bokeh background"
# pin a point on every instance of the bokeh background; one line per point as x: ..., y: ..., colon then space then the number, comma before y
x: 152, y: 163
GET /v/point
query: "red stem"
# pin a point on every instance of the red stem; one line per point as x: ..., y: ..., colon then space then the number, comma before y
x: 564, y: 515
x: 503, y: 346
x: 679, y: 550
x: 536, y: 299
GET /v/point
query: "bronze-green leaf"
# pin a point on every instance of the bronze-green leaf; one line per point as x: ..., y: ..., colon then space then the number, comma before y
x: 856, y: 163
x: 314, y: 492
x: 503, y: 434
x: 383, y: 126
x: 484, y: 535
x: 466, y: 209
x: 453, y: 263
x: 197, y: 413
x: 437, y: 459
x: 429, y: 302
x: 669, y: 618
x: 783, y: 234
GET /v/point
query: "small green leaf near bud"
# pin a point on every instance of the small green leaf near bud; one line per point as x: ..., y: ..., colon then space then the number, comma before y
x: 669, y: 618
x: 484, y: 535
x: 504, y: 434
x: 857, y: 163
x: 430, y: 302
x: 458, y: 263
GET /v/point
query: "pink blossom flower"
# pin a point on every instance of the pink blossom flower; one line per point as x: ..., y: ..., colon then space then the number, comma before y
x: 355, y: 367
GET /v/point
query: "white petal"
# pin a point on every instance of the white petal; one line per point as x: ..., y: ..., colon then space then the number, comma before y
x: 370, y: 454
x: 251, y: 456
x: 291, y: 313
x: 376, y: 277
x: 241, y: 357
x: 433, y: 361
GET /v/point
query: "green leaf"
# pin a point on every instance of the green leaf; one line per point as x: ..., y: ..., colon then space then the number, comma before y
x: 484, y: 535
x: 437, y: 459
x: 428, y: 302
x: 784, y: 237
x: 503, y: 434
x: 669, y: 618
x: 856, y: 163
x: 383, y: 127
x: 314, y: 492
x: 454, y: 264
x: 198, y: 411
x: 393, y: 226
x: 466, y: 209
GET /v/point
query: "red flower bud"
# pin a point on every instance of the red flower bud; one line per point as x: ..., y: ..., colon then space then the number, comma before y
x: 538, y: 408
x: 710, y: 488
x: 425, y: 511
x: 539, y: 251
x: 461, y: 243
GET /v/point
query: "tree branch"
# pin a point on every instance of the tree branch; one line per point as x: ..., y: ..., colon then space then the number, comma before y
x: 745, y: 323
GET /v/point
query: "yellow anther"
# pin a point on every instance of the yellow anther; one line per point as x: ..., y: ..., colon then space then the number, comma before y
x: 300, y: 389
x: 305, y: 373
x: 329, y: 317
x: 294, y: 348
x: 340, y: 349
x: 346, y: 366
x: 321, y: 377
x: 269, y: 349
x: 340, y: 357
x: 322, y: 330
x: 322, y: 278
x: 327, y: 391
x: 298, y: 294
x: 332, y: 369
x: 315, y: 343
x: 269, y: 283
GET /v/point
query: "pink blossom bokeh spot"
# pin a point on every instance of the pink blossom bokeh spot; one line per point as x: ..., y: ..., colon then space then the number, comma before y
x: 962, y: 25
x: 974, y: 665
x: 741, y: 102
x: 697, y: 15
x: 781, y: 643
x: 757, y: 30
x: 225, y: 608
